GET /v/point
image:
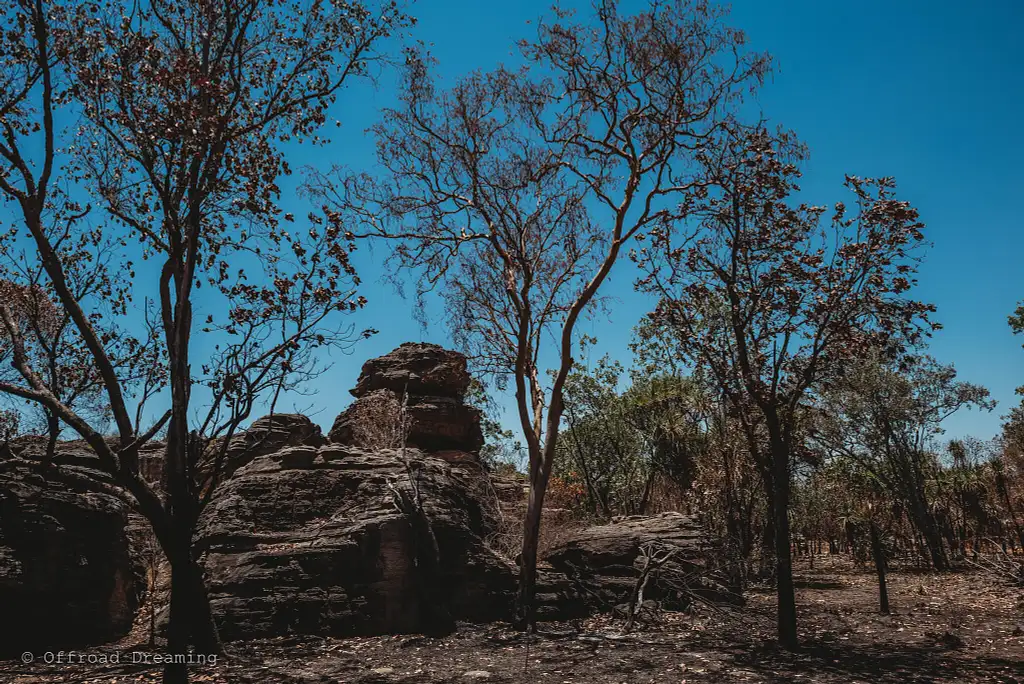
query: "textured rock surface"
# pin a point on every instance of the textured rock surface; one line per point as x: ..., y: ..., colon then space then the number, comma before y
x: 435, y: 424
x: 66, y: 575
x: 432, y: 383
x: 416, y: 368
x: 309, y: 540
x: 602, y: 564
x: 266, y: 435
x: 72, y: 452
x: 617, y: 545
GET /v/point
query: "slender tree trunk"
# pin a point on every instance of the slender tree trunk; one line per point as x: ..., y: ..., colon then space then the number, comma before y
x: 178, y: 623
x: 735, y: 534
x: 525, y: 608
x: 191, y: 619
x: 53, y: 433
x: 1004, y: 490
x: 783, y: 560
x: 645, y: 498
x: 933, y: 538
x: 768, y: 543
x: 879, y: 556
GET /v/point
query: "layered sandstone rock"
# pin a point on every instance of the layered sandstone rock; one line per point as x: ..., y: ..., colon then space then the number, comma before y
x: 418, y: 368
x: 66, y: 574
x: 265, y: 436
x: 317, y: 538
x: 313, y: 541
x: 427, y: 385
x: 604, y: 562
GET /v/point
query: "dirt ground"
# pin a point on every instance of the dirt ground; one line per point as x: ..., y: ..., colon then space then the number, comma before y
x: 954, y: 627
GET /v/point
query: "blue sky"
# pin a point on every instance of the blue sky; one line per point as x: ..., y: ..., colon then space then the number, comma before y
x: 930, y: 92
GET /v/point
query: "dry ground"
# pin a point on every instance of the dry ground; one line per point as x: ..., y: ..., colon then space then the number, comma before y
x: 955, y: 627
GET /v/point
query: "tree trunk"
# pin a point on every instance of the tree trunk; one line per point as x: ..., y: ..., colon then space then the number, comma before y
x: 525, y: 608
x: 879, y: 556
x: 53, y: 434
x: 1001, y: 484
x: 768, y: 543
x: 783, y: 560
x: 191, y: 619
x: 930, y: 533
x: 177, y: 626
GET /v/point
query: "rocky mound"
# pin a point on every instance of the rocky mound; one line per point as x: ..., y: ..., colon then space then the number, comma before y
x: 317, y: 541
x: 265, y: 436
x: 66, y: 574
x: 418, y: 368
x: 348, y: 537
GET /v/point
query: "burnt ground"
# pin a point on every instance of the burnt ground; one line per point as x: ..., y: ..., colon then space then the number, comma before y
x: 953, y: 627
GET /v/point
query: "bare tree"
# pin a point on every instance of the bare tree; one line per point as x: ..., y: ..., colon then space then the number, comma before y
x: 186, y: 106
x: 515, y: 193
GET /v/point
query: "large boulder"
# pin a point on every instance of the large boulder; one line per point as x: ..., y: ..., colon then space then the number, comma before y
x: 417, y: 390
x: 313, y: 540
x: 66, y: 575
x: 604, y: 562
x: 265, y: 435
x: 416, y: 368
x: 616, y: 546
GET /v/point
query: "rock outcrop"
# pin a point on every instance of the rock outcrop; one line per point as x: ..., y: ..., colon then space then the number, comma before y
x: 616, y: 546
x: 325, y: 536
x: 313, y: 541
x: 66, y: 575
x: 312, y: 538
x: 427, y: 384
x: 418, y: 368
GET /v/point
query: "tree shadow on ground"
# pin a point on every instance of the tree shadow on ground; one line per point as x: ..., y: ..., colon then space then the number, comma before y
x: 818, y: 584
x: 882, y: 662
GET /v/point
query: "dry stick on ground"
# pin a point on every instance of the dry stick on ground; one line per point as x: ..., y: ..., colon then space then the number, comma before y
x: 1002, y: 566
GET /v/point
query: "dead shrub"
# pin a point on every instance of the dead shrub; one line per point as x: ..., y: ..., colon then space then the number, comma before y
x: 380, y: 421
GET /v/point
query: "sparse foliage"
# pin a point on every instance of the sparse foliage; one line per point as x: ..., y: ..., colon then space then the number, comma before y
x: 186, y: 108
x: 515, y: 192
x: 772, y: 299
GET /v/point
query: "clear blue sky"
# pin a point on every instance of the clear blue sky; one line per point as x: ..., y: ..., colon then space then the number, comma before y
x: 931, y: 92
